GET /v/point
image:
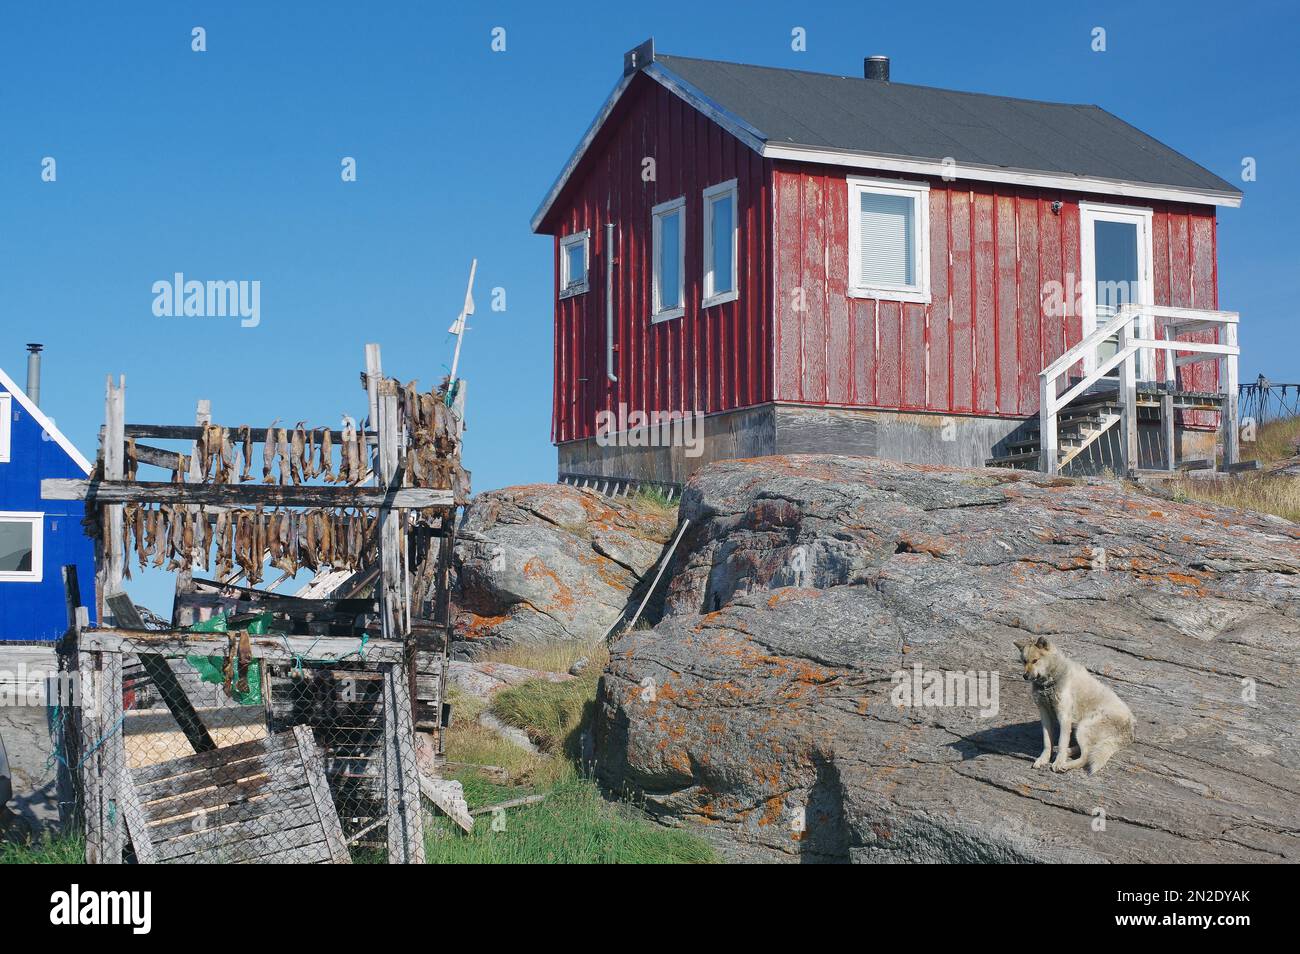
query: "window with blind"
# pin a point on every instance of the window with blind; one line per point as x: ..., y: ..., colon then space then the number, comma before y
x: 889, y: 240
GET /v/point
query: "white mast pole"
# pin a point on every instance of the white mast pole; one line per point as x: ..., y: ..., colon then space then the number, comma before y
x: 466, y: 311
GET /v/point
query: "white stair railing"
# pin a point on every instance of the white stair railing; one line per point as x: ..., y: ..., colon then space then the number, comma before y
x: 1167, y: 324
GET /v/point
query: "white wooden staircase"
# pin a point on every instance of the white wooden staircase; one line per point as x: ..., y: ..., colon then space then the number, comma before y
x: 1092, y: 404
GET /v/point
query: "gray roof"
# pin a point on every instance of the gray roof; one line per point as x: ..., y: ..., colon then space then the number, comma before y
x: 869, y: 124
x: 922, y: 122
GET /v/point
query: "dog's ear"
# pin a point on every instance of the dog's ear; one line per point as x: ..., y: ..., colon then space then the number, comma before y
x: 1044, y: 645
x: 1020, y: 644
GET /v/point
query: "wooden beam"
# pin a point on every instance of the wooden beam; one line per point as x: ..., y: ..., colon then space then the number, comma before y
x: 288, y: 605
x: 246, y: 495
x: 184, y: 432
x: 274, y: 647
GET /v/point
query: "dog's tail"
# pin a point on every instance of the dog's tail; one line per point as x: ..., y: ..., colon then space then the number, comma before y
x: 1120, y: 735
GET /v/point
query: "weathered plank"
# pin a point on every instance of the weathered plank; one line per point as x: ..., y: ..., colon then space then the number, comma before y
x: 193, y: 812
x: 183, y: 432
x: 276, y: 648
x: 286, y: 805
x: 320, y: 790
x: 112, y: 758
x: 405, y: 818
x: 116, y: 492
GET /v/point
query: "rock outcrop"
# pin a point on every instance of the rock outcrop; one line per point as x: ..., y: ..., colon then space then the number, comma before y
x: 548, y: 562
x: 766, y: 707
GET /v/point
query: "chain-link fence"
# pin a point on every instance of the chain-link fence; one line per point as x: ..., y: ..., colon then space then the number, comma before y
x: 239, y: 746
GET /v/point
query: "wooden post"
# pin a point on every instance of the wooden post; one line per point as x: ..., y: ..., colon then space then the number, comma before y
x: 1128, y: 405
x: 1047, y: 455
x: 111, y: 757
x: 374, y: 374
x: 90, y: 717
x: 401, y: 771
x: 1168, y: 431
x: 111, y: 556
x: 183, y: 616
x: 1231, y: 429
x: 390, y: 535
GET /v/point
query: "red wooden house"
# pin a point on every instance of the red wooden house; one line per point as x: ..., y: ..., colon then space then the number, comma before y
x: 819, y: 263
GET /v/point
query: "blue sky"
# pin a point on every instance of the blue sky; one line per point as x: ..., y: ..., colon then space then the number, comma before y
x: 226, y: 165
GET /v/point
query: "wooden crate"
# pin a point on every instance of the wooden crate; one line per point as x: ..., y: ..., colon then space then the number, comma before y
x: 262, y: 801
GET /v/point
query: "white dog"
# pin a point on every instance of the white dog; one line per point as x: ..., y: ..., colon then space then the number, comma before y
x: 1070, y: 697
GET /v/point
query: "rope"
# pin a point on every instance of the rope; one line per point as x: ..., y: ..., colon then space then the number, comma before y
x: 56, y: 756
x: 359, y: 652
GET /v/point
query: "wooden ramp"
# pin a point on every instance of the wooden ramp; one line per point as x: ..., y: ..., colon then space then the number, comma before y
x: 266, y: 801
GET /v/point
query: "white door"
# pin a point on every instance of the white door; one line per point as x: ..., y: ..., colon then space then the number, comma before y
x: 1115, y: 246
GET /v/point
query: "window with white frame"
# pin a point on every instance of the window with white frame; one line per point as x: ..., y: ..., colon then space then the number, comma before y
x: 574, y: 256
x: 721, y: 244
x: 21, y: 538
x: 668, y: 292
x: 6, y: 425
x: 889, y: 240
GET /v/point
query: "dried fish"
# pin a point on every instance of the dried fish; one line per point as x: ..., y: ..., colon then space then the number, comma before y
x: 326, y: 467
x: 246, y: 440
x: 282, y: 453
x: 298, y: 446
x: 268, y: 453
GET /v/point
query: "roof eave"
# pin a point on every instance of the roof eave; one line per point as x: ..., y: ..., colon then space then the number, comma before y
x: 47, y: 425
x: 665, y: 77
x: 798, y: 152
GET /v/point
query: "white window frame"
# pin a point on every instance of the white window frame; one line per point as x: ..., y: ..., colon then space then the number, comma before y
x: 6, y: 425
x: 711, y: 195
x: 657, y: 215
x: 568, y: 290
x: 919, y: 193
x: 37, y: 520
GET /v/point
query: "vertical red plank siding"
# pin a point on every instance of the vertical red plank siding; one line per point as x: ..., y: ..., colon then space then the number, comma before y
x: 1005, y: 274
x: 813, y: 238
x: 1027, y: 314
x: 708, y: 359
x: 985, y: 284
x: 1052, y: 268
x: 1007, y: 305
x: 794, y: 334
x: 939, y: 326
x: 962, y: 322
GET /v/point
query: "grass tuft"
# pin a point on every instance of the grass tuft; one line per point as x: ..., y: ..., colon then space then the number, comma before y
x: 49, y: 850
x: 554, y: 713
x: 575, y: 824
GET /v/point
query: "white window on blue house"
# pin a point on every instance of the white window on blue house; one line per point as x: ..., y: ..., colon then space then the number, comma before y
x: 721, y: 244
x: 889, y: 240
x: 21, y: 538
x: 6, y: 425
x: 574, y: 258
x: 668, y: 277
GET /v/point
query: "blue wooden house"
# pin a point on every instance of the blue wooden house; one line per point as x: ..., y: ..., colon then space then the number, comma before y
x: 37, y: 537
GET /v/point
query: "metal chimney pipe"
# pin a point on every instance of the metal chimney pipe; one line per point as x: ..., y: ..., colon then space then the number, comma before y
x: 34, y: 372
x: 876, y: 68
